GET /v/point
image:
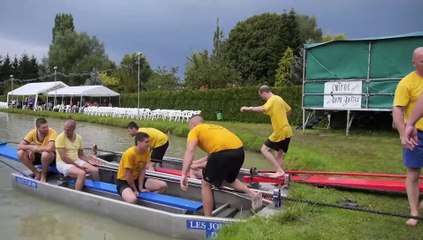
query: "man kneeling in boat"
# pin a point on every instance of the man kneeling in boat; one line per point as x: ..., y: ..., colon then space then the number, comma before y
x: 71, y: 160
x: 131, y: 178
x: 37, y: 147
x: 225, y: 158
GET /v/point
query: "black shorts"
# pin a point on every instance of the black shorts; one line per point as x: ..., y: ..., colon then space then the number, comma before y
x: 123, y: 184
x: 37, y: 160
x: 223, y: 165
x: 284, y: 144
x: 159, y: 152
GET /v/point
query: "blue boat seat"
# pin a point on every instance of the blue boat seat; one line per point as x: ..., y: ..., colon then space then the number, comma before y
x: 177, y: 202
x: 9, y: 152
x: 12, y: 154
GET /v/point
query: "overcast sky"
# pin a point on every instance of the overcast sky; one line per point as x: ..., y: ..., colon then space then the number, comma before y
x: 168, y: 31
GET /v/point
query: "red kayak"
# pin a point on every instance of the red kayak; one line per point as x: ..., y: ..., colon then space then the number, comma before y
x: 354, y: 180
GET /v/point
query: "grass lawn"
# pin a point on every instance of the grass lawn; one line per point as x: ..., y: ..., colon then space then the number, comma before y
x: 328, y: 150
x: 331, y: 150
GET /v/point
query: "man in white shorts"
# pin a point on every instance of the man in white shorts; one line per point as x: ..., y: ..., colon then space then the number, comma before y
x: 70, y: 158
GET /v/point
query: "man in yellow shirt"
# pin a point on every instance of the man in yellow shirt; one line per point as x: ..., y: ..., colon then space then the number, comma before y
x: 131, y: 178
x: 71, y: 160
x: 225, y: 158
x: 37, y: 147
x: 279, y: 111
x: 159, y: 141
x: 408, y: 91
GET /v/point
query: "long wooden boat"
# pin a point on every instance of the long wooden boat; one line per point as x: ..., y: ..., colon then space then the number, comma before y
x: 176, y: 213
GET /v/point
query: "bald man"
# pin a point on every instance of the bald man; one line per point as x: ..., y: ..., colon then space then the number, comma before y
x: 408, y: 91
x: 225, y: 158
x: 71, y: 160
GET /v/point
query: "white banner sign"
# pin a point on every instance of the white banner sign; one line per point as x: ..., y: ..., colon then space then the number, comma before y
x: 342, y: 94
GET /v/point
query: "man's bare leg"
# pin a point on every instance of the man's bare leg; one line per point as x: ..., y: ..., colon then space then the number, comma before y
x: 24, y: 156
x: 279, y: 158
x: 46, y: 159
x: 207, y: 198
x: 79, y: 174
x: 265, y: 150
x: 239, y: 186
x: 155, y: 185
x: 412, y: 186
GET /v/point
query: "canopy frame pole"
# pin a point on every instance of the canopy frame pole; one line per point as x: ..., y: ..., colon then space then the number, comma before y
x: 34, y: 107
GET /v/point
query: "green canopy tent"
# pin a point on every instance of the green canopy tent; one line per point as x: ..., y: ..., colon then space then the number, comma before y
x: 355, y: 75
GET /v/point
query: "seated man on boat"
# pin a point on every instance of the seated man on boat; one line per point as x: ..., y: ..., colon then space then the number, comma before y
x: 71, y: 160
x: 37, y: 147
x: 159, y: 141
x: 225, y: 158
x: 131, y: 178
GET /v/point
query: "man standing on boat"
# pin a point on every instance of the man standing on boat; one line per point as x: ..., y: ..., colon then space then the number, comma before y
x: 71, y: 160
x: 37, y: 147
x: 279, y: 111
x: 131, y: 173
x: 406, y: 95
x: 159, y: 141
x: 225, y: 158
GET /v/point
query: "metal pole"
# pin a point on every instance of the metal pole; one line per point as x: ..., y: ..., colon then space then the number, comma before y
x: 138, y: 78
x: 55, y: 86
x: 11, y: 80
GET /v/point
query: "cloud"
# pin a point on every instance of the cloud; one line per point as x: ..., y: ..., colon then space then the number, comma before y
x: 16, y: 47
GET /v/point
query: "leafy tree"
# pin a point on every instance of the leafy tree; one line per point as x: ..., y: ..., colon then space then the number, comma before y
x: 162, y: 78
x: 62, y: 23
x: 211, y: 71
x: 285, y: 72
x: 128, y: 72
x: 75, y: 52
x: 309, y: 32
x: 203, y: 72
x: 331, y: 37
x: 15, y: 67
x: 109, y: 80
x: 6, y: 70
x: 255, y: 45
x: 28, y: 67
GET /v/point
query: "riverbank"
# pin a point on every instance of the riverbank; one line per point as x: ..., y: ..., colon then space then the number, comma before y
x: 328, y: 150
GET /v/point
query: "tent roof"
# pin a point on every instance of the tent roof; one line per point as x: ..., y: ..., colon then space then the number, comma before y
x: 93, y: 91
x: 406, y: 35
x: 37, y: 88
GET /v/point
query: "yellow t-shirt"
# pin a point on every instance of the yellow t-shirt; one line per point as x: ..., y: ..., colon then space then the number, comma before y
x: 157, y: 138
x: 277, y: 108
x: 133, y: 160
x: 406, y: 95
x: 72, y: 148
x: 31, y: 137
x: 213, y: 138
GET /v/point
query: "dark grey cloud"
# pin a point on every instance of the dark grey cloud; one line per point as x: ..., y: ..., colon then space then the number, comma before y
x: 168, y: 31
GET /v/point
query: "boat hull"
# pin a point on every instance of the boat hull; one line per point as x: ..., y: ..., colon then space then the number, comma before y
x: 172, y: 224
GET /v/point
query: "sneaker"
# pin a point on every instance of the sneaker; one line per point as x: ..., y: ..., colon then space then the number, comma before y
x: 257, y: 202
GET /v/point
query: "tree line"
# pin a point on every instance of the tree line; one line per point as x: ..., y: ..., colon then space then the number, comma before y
x: 263, y: 49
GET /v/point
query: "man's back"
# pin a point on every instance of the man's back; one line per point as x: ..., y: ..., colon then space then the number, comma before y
x: 214, y: 138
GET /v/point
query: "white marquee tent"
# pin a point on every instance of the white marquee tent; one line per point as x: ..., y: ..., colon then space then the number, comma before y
x: 84, y: 91
x: 32, y: 89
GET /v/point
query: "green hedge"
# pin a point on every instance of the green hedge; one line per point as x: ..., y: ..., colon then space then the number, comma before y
x: 208, y: 101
